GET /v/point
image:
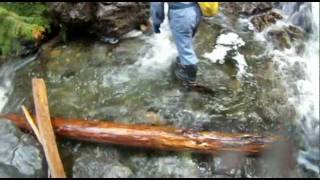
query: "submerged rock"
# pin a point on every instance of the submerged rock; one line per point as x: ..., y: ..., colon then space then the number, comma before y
x: 100, y: 163
x: 9, y: 172
x: 167, y: 166
x: 19, y: 152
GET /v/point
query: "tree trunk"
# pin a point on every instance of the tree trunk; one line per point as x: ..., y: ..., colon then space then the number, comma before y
x: 164, y: 138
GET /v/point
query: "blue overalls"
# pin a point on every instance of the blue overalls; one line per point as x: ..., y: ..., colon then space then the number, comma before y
x: 184, y: 18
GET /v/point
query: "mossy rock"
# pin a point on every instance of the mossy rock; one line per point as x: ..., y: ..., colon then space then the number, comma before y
x: 21, y: 24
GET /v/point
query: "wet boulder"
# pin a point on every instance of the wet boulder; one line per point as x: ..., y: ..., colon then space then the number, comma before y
x: 286, y: 36
x: 99, y: 162
x: 231, y: 165
x: 72, y: 13
x: 20, y: 154
x: 104, y: 19
x: 9, y: 172
x: 280, y: 38
x: 118, y: 18
x: 228, y: 165
x: 166, y: 166
x: 295, y: 32
x: 263, y: 21
x: 255, y: 7
x: 247, y: 8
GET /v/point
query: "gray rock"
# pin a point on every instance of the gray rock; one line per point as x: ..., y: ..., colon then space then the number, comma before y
x: 120, y: 18
x: 228, y: 164
x: 247, y: 8
x: 167, y: 166
x: 99, y: 163
x: 20, y: 151
x: 232, y: 165
x: 286, y: 36
x: 263, y: 21
x: 112, y: 19
x: 75, y: 13
x: 9, y: 172
x: 280, y: 38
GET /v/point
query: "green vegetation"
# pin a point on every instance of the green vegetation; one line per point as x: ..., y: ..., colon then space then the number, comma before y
x: 21, y: 22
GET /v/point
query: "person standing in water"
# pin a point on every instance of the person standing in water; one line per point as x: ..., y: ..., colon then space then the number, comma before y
x: 184, y: 19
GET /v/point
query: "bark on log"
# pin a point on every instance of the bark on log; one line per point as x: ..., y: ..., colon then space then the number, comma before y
x: 164, y: 138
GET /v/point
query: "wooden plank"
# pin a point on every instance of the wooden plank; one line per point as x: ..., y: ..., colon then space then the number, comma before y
x: 164, y: 138
x: 32, y: 123
x: 45, y: 129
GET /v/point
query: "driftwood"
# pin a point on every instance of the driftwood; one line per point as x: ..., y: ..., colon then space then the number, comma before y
x: 46, y: 131
x: 32, y: 123
x: 164, y: 138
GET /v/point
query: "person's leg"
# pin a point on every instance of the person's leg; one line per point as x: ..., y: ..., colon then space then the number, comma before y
x: 195, y: 29
x: 198, y: 20
x: 183, y: 23
x: 185, y: 49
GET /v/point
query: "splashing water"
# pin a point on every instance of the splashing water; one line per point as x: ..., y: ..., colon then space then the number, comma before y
x: 7, y: 73
x: 307, y: 99
x: 225, y: 43
x: 157, y: 56
x: 4, y: 88
x: 162, y: 51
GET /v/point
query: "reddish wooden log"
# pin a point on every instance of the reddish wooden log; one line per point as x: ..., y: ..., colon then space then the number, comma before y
x: 164, y: 138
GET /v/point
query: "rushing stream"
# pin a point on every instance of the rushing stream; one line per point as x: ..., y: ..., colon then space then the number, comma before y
x: 259, y: 89
x: 308, y: 97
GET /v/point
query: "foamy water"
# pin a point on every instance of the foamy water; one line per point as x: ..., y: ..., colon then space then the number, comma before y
x: 162, y: 51
x: 158, y: 54
x: 306, y: 101
x: 3, y: 98
x: 309, y: 99
x: 6, y: 75
x: 224, y: 44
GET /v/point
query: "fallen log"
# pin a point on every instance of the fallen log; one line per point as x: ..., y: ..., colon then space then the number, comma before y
x: 164, y: 138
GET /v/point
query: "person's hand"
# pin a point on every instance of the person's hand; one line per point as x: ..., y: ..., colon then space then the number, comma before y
x: 156, y: 29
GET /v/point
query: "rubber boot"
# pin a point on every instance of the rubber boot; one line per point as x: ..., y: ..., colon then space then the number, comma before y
x: 186, y: 73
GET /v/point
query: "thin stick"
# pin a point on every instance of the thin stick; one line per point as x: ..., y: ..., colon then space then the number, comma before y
x: 32, y: 123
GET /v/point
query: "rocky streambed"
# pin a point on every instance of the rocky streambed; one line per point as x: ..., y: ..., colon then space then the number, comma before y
x: 241, y: 59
